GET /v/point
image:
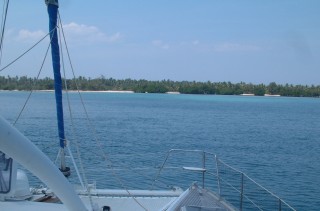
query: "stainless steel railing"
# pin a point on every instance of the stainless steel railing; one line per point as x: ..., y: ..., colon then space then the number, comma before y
x: 231, y: 184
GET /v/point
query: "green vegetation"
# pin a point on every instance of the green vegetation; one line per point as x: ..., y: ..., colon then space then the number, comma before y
x: 142, y: 86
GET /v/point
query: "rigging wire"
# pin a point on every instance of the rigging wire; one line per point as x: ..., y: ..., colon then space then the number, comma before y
x: 3, y: 25
x: 122, y: 166
x: 32, y: 89
x: 70, y: 112
x: 5, y: 8
x: 24, y: 53
x: 90, y: 124
x: 32, y: 86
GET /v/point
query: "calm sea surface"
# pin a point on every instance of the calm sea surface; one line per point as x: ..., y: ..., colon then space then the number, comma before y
x: 276, y: 140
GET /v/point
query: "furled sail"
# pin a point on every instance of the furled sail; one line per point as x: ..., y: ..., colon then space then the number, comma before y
x: 53, y: 6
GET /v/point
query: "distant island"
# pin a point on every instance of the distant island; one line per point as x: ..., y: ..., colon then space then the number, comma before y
x: 164, y: 86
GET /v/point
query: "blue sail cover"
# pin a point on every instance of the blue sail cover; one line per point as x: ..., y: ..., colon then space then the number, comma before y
x: 53, y: 13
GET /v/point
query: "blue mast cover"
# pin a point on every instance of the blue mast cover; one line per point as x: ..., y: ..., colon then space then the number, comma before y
x: 53, y: 13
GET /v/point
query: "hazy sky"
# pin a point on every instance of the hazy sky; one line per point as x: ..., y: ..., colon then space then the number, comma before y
x: 218, y: 40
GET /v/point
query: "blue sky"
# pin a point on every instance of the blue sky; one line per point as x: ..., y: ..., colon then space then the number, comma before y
x: 252, y: 41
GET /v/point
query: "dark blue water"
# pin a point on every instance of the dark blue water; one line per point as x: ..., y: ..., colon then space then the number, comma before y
x: 273, y: 140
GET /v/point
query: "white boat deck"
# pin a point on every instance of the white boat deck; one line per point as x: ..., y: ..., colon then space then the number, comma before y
x: 119, y: 200
x: 194, y: 198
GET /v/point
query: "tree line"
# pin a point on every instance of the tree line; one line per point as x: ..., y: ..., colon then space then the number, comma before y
x: 144, y: 86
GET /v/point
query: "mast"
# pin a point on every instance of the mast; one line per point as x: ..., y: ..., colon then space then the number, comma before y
x: 52, y: 6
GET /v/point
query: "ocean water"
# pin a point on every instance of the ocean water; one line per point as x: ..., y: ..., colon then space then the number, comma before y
x: 274, y: 140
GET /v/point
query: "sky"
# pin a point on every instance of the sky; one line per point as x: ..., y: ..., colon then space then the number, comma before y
x: 251, y: 41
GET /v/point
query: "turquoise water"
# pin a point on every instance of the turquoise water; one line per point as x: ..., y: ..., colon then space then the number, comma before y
x: 273, y: 140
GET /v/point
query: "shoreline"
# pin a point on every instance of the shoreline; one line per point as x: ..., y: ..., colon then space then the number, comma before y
x: 169, y: 93
x: 49, y: 90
